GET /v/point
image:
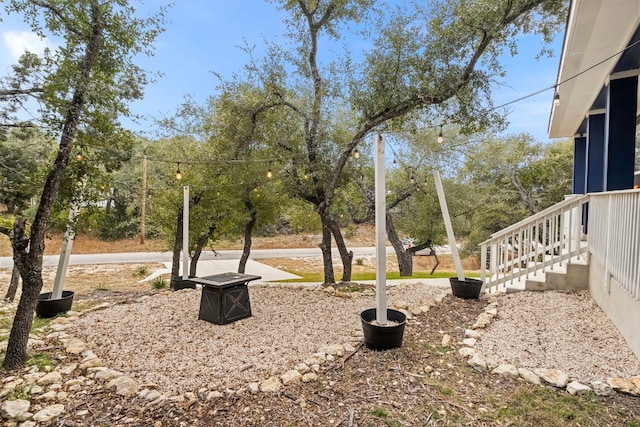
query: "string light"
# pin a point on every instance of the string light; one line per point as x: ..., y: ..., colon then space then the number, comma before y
x: 356, y: 154
x: 269, y: 173
x: 80, y: 156
x: 413, y: 179
x: 178, y: 173
x: 440, y: 136
x: 306, y: 176
x: 556, y: 99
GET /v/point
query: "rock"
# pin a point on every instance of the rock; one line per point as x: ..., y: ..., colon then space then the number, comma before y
x: 309, y: 376
x: 57, y: 327
x: 291, y: 377
x: 623, y: 385
x: 36, y: 389
x: 493, y: 312
x: 506, y: 370
x: 68, y: 369
x: 73, y: 384
x: 33, y: 377
x: 424, y: 309
x: 50, y: 412
x: 50, y: 378
x: 348, y: 348
x: 334, y: 349
x: 601, y: 388
x: 529, y: 376
x: 466, y: 351
x: 492, y: 363
x: 107, y: 374
x: 303, y: 368
x: 553, y: 377
x: 446, y: 340
x: 15, y: 408
x: 477, y: 361
x: 482, y: 321
x: 329, y: 289
x: 401, y: 305
x: 574, y: 387
x: 91, y: 363
x: 470, y: 333
x: 124, y: 386
x: 469, y: 342
x: 416, y: 311
x: 271, y: 385
x: 215, y: 394
x: 75, y: 346
x: 50, y: 395
x: 316, y: 359
x: 28, y: 424
x: 254, y: 387
x: 407, y: 313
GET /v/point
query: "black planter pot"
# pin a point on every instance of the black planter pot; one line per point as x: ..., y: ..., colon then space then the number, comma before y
x: 386, y: 337
x: 180, y: 283
x: 47, y: 307
x: 467, y: 288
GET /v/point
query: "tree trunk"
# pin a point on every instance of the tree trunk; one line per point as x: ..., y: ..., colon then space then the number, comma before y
x: 13, y: 284
x: 248, y: 230
x: 405, y: 258
x: 177, y: 246
x: 202, y: 240
x: 325, y: 247
x: 28, y: 252
x: 346, y: 256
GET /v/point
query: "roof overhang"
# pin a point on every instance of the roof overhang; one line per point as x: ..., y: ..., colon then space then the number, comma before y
x: 597, y: 33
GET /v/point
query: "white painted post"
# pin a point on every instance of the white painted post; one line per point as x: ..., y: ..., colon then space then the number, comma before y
x: 65, y: 251
x: 381, y: 234
x: 447, y: 224
x: 185, y: 233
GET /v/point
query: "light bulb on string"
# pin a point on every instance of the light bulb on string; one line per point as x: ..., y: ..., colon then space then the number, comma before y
x: 178, y: 173
x: 306, y: 176
x: 80, y: 155
x: 269, y: 173
x: 440, y: 136
x: 356, y: 154
x: 413, y: 179
x: 395, y: 162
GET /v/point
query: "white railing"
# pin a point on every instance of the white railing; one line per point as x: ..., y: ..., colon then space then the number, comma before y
x: 614, y: 237
x: 541, y: 242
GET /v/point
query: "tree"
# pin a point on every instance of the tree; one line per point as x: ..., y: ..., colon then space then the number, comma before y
x: 82, y: 88
x: 431, y: 62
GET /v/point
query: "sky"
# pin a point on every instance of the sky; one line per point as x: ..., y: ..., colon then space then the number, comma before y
x: 203, y: 36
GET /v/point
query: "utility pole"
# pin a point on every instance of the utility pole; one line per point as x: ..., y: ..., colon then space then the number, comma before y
x: 143, y: 201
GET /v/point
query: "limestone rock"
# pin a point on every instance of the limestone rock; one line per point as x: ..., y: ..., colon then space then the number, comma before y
x: 50, y: 395
x: 466, y: 351
x: 401, y: 305
x: 271, y: 385
x: 446, y: 340
x: 506, y: 370
x: 574, y: 387
x: 469, y: 342
x: 309, y: 376
x: 75, y: 346
x: 91, y: 363
x: 254, y: 387
x: 107, y: 374
x: 36, y: 389
x: 291, y: 377
x: 50, y: 412
x: 407, y: 313
x: 623, y: 385
x: 553, y: 377
x: 529, y: 376
x: 303, y: 368
x: 213, y: 395
x: 601, y: 388
x: 316, y: 359
x: 15, y: 408
x: 68, y: 369
x: 477, y: 361
x: 124, y: 386
x: 482, y: 321
x: 493, y: 312
x: 334, y: 350
x: 50, y: 378
x: 470, y: 333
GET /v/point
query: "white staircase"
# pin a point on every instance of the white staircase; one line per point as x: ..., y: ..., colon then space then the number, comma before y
x: 547, y: 251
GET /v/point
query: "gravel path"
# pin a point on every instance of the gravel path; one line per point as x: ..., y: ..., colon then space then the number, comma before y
x: 566, y: 331
x: 158, y: 340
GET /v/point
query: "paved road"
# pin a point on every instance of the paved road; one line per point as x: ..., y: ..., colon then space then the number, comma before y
x: 148, y: 257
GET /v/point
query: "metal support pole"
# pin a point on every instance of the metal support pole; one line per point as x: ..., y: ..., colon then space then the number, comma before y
x: 185, y: 233
x: 381, y: 234
x: 447, y: 223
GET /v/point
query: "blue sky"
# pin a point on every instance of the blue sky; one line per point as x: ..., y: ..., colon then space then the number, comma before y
x: 203, y: 36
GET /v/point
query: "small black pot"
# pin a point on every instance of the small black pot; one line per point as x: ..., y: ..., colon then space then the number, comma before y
x: 180, y: 283
x: 467, y: 288
x: 47, y: 307
x: 378, y: 337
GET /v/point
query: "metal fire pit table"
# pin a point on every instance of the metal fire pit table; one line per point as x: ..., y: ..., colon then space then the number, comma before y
x: 225, y: 297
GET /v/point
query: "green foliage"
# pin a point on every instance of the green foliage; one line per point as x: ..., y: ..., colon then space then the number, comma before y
x: 379, y: 412
x: 42, y: 361
x: 159, y: 283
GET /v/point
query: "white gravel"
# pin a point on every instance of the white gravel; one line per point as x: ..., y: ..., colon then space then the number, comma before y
x: 566, y: 331
x: 159, y: 340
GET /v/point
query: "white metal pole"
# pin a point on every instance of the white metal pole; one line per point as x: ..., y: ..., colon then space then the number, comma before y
x: 185, y: 233
x: 381, y: 234
x: 65, y: 252
x: 447, y: 224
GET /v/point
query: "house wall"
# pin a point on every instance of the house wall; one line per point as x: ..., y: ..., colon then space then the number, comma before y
x: 622, y: 308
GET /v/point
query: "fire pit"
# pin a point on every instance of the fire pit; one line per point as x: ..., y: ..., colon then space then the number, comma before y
x: 225, y: 297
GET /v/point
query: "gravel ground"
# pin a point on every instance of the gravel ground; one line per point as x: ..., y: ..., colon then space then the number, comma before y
x: 159, y: 340
x: 566, y: 331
